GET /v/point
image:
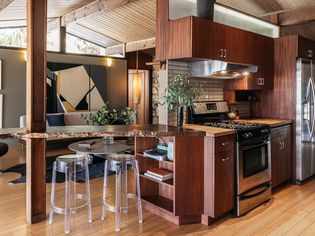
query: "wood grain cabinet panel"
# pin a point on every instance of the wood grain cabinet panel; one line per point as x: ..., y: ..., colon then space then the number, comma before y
x: 219, y: 176
x: 281, y: 155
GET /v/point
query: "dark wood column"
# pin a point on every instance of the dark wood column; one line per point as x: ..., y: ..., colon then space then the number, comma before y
x: 36, y: 110
x: 63, y: 36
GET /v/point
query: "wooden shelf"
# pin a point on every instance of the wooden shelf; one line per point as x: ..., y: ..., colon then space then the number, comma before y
x: 159, y: 201
x: 166, y: 162
x: 169, y: 182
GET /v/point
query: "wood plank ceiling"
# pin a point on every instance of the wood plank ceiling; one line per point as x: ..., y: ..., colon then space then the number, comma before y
x: 56, y: 8
x: 136, y: 19
x: 131, y: 22
x: 266, y: 8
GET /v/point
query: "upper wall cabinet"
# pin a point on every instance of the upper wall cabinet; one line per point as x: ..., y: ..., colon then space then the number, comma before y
x: 306, y: 48
x: 193, y: 38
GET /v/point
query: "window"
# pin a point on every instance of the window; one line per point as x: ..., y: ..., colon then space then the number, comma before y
x: 13, y: 37
x: 77, y: 45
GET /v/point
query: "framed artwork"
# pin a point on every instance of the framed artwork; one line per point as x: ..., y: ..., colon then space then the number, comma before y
x: 0, y: 74
x: 1, y: 111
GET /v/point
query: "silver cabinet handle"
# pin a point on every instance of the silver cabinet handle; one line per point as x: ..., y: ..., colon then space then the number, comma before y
x: 281, y: 145
x: 262, y: 81
x: 221, y: 52
x: 226, y: 143
x: 309, y: 53
x: 224, y: 53
x: 225, y: 159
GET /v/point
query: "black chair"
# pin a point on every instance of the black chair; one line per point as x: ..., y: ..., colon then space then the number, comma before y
x: 3, y: 150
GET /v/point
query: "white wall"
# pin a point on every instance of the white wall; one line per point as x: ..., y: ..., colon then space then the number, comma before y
x: 14, y: 81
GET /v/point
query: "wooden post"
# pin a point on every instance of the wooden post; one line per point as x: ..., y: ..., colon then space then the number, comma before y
x: 36, y: 110
x: 63, y: 41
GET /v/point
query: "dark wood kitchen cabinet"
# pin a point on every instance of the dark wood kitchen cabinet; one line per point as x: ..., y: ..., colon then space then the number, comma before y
x: 219, y: 179
x: 306, y: 48
x: 260, y: 52
x: 281, y: 155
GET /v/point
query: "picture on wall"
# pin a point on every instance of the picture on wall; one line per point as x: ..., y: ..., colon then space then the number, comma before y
x: 1, y: 111
x: 75, y: 87
x: 0, y: 74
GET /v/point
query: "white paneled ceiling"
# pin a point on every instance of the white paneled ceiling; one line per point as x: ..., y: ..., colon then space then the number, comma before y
x: 130, y: 22
x: 261, y: 7
x: 56, y: 8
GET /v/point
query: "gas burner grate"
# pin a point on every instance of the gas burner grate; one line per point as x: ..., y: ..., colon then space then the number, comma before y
x: 231, y: 124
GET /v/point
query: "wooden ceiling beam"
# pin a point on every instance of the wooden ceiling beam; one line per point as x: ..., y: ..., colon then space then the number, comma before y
x: 269, y: 5
x: 4, y: 4
x: 297, y: 16
x: 93, y: 8
x: 131, y: 47
x: 291, y: 16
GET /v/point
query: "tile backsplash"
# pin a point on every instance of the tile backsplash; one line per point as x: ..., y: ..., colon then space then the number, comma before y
x: 211, y: 89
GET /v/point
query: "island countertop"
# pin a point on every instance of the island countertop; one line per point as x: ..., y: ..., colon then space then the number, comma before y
x: 101, y: 131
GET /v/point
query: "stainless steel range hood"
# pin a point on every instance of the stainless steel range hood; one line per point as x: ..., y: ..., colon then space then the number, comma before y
x: 220, y: 69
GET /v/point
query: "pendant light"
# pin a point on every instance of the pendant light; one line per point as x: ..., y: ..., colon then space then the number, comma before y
x: 137, y: 84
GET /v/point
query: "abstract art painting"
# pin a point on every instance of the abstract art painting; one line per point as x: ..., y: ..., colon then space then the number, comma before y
x: 75, y: 87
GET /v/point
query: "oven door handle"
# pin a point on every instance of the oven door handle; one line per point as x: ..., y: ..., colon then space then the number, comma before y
x: 244, y: 147
x: 256, y: 193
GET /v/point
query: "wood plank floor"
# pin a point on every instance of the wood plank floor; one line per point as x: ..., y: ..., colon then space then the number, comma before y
x: 290, y: 212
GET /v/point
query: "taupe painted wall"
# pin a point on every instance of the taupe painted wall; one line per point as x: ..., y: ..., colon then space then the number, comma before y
x: 14, y: 81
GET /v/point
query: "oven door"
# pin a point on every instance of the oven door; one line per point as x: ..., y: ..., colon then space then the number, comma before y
x: 253, y: 164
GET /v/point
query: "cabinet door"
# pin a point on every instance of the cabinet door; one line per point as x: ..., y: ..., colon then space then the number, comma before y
x: 306, y: 48
x: 219, y: 37
x: 224, y: 183
x: 276, y: 147
x: 236, y: 47
x: 287, y: 154
x: 281, y: 155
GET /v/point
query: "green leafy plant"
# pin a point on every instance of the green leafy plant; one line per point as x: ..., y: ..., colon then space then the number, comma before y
x: 180, y: 92
x: 108, y: 116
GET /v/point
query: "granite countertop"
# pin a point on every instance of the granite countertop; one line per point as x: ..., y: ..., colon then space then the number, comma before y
x: 271, y: 122
x: 101, y: 131
x: 211, y: 131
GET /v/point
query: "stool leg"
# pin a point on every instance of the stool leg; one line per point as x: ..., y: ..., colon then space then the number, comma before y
x: 104, y: 190
x: 52, y: 194
x: 125, y: 187
x: 67, y: 200
x: 138, y: 192
x: 87, y: 182
x: 118, y: 197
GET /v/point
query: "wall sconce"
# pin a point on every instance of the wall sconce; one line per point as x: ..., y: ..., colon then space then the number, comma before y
x: 109, y: 62
x: 137, y: 85
x: 25, y: 55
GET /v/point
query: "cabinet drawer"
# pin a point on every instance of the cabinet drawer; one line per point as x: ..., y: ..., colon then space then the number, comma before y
x: 224, y: 143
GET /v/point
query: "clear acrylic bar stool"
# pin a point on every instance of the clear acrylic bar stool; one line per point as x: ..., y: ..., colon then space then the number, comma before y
x: 70, y: 165
x: 120, y: 163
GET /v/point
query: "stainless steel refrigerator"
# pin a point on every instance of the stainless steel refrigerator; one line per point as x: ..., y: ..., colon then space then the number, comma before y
x: 305, y: 119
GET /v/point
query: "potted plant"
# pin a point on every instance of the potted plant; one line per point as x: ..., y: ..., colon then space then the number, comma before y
x: 179, y: 94
x: 108, y: 116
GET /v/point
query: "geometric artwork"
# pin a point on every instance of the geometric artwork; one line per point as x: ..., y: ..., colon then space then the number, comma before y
x: 74, y: 87
x: 1, y: 111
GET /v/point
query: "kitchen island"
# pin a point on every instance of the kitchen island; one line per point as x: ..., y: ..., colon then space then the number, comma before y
x: 179, y: 200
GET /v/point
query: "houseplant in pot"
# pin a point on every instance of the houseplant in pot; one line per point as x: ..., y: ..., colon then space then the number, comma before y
x: 109, y: 116
x: 179, y: 94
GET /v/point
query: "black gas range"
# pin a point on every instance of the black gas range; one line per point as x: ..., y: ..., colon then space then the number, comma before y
x: 215, y: 114
x: 253, y: 153
x: 245, y: 130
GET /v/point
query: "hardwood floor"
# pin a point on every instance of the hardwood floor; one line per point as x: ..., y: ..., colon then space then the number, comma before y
x: 290, y: 212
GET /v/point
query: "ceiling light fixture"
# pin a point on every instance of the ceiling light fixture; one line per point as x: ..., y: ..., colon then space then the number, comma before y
x: 109, y: 62
x: 137, y: 84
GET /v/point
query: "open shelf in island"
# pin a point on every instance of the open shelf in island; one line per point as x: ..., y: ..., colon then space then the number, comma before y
x: 179, y: 200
